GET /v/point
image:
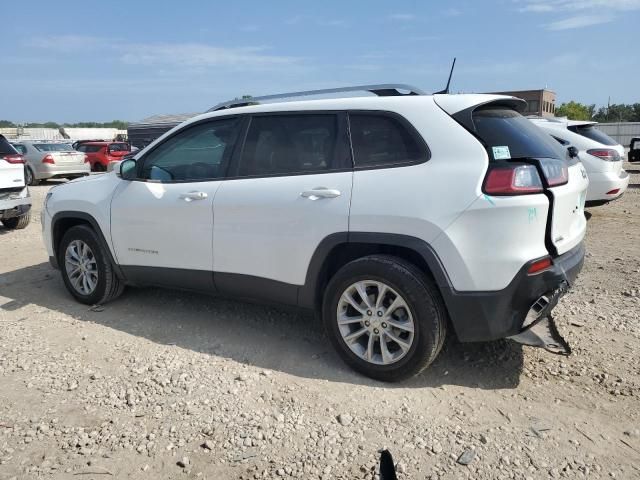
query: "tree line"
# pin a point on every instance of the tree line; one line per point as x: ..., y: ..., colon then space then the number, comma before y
x: 613, y: 113
x: 119, y: 124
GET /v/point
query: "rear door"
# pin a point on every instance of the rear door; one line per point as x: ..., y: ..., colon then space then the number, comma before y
x: 289, y: 189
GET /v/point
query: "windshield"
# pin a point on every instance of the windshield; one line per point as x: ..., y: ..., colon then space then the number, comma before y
x: 53, y: 147
x: 507, y: 134
x: 593, y: 133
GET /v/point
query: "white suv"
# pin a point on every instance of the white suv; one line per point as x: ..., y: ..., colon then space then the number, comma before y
x: 15, y: 201
x: 600, y: 154
x: 397, y: 217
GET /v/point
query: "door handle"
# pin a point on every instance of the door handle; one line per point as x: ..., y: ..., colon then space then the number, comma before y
x: 320, y: 192
x: 191, y: 196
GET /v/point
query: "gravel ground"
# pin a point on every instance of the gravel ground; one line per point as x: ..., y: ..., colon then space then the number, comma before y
x: 164, y: 384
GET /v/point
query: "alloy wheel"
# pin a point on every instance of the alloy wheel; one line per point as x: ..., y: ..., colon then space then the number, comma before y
x: 81, y: 267
x: 375, y: 322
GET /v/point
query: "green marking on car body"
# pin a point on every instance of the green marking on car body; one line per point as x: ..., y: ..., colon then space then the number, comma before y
x: 533, y: 214
x: 488, y: 199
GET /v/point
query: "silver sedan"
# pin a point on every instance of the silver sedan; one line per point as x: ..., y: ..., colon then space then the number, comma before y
x: 46, y: 159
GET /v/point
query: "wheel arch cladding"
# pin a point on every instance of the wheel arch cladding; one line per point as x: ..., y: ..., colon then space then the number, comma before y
x: 338, y: 249
x: 63, y: 221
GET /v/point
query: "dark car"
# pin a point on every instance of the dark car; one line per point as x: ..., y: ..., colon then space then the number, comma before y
x: 634, y: 150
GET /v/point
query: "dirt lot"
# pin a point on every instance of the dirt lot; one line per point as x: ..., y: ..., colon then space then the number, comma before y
x: 163, y: 384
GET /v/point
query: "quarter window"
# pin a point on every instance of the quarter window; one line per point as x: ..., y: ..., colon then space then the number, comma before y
x: 289, y: 144
x: 196, y: 153
x: 383, y: 140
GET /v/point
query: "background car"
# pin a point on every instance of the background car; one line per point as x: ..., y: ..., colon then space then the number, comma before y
x: 99, y: 154
x: 46, y: 160
x: 634, y: 150
x: 15, y: 201
x: 600, y: 154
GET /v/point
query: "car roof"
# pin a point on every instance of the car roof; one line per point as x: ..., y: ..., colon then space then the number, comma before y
x: 451, y: 103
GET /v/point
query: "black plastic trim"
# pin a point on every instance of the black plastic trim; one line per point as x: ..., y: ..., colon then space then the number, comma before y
x: 85, y: 217
x: 179, y: 278
x: 252, y: 288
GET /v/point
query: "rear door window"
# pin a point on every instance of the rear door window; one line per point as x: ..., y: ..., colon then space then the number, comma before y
x: 589, y: 131
x: 507, y: 134
x: 289, y: 144
x: 383, y: 140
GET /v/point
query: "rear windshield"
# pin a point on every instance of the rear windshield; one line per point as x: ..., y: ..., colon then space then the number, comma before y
x: 53, y: 147
x: 593, y: 133
x: 119, y: 147
x: 507, y: 134
x: 6, y: 148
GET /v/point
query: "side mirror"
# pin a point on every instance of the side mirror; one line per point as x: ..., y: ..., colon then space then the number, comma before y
x: 573, y: 151
x: 127, y: 169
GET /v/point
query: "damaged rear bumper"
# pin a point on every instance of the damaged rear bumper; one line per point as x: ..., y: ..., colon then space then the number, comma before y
x: 482, y: 316
x: 539, y: 328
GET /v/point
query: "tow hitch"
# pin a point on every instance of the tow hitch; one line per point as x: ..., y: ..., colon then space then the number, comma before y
x: 540, y: 329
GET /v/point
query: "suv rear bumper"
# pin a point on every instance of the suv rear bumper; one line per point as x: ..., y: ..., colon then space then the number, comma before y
x: 482, y: 316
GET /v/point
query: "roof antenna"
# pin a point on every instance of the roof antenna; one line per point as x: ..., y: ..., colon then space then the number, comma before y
x: 446, y: 90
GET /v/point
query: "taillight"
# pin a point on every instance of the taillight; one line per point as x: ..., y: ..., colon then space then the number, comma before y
x: 14, y: 158
x: 512, y: 180
x: 555, y: 171
x: 613, y: 192
x: 608, y: 154
x: 48, y: 159
x: 540, y: 265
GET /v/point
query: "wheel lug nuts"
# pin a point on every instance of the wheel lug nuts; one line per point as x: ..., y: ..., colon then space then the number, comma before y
x: 369, y: 312
x: 376, y: 331
x: 379, y: 313
x: 367, y: 323
x: 384, y: 325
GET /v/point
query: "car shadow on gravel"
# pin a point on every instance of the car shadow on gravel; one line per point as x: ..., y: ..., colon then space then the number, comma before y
x: 267, y: 337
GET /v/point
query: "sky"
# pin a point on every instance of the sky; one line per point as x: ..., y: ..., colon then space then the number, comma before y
x: 71, y: 61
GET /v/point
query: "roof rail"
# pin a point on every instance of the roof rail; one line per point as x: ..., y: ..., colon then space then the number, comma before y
x: 382, y: 90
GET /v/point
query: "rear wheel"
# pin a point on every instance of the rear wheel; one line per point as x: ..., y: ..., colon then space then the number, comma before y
x: 17, y: 223
x: 98, y: 167
x: 385, y: 318
x: 86, y: 268
x: 29, y: 177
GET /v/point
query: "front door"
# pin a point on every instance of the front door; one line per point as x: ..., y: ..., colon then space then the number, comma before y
x: 289, y: 189
x: 162, y: 224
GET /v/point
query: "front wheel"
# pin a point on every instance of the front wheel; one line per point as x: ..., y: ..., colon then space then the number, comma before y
x: 86, y: 268
x: 385, y: 317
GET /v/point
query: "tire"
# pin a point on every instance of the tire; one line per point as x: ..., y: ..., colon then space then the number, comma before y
x: 30, y: 178
x: 17, y: 223
x: 98, y: 167
x: 426, y: 312
x: 107, y: 285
